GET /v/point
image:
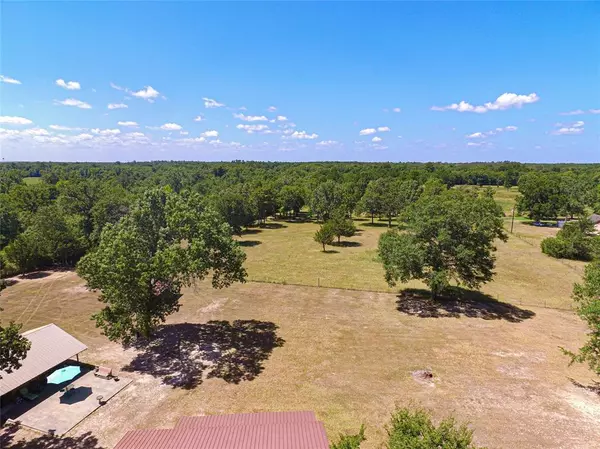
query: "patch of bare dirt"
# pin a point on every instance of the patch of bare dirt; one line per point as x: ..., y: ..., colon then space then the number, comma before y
x: 424, y: 377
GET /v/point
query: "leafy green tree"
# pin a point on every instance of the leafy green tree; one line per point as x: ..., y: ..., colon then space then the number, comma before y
x: 414, y: 429
x: 79, y: 197
x: 449, y: 236
x: 167, y: 241
x: 541, y: 195
x: 587, y: 299
x: 236, y: 207
x: 325, y: 234
x: 574, y: 241
x: 350, y: 441
x: 264, y: 200
x: 23, y: 253
x: 27, y: 199
x: 59, y: 235
x: 9, y: 222
x: 342, y: 226
x: 13, y: 346
x: 112, y: 205
x: 327, y: 198
x: 291, y: 198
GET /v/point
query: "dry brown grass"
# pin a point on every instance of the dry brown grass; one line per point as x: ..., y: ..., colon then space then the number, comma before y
x: 348, y: 355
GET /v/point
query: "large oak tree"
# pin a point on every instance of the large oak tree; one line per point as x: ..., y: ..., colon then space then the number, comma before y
x: 167, y: 241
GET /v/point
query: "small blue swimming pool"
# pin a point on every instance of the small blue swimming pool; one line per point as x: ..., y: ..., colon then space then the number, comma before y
x: 64, y: 374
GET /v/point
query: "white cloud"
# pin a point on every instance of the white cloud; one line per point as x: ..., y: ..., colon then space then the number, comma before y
x: 117, y: 106
x: 282, y: 118
x: 69, y: 85
x: 215, y: 142
x: 510, y: 128
x: 567, y: 131
x: 376, y: 139
x: 327, y: 143
x: 210, y: 103
x: 251, y: 118
x: 64, y: 128
x: 106, y: 132
x: 131, y: 124
x: 8, y: 120
x: 476, y: 136
x: 184, y: 133
x: 114, y: 86
x: 271, y: 109
x: 578, y: 124
x: 594, y: 111
x: 474, y: 144
x: 303, y: 135
x: 9, y: 80
x: 73, y: 102
x: 504, y: 101
x: 250, y: 129
x: 171, y: 127
x: 136, y: 134
x: 210, y: 133
x: 36, y: 132
x: 397, y: 110
x: 199, y: 118
x: 367, y: 131
x: 383, y: 129
x: 575, y: 112
x: 147, y: 93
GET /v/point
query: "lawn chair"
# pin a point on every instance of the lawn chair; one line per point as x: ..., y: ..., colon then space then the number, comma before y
x: 28, y: 395
x: 103, y: 372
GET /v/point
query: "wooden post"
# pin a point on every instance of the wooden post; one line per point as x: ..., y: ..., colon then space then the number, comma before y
x: 512, y: 222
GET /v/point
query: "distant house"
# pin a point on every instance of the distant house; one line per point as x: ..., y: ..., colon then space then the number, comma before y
x: 595, y: 219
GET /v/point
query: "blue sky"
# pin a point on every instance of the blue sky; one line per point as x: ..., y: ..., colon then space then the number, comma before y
x: 300, y: 81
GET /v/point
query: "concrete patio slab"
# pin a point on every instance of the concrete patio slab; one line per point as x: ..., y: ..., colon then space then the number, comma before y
x: 61, y: 412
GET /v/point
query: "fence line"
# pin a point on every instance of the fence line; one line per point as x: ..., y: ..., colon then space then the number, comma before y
x: 318, y: 285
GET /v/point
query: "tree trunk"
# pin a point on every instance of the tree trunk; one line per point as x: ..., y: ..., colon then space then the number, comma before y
x: 372, y: 218
x: 389, y: 221
x: 339, y: 238
x: 323, y: 247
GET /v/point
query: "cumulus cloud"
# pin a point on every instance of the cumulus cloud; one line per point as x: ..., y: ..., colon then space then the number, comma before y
x: 64, y: 128
x: 106, y: 132
x: 581, y: 112
x: 565, y: 129
x: 271, y: 109
x: 504, y: 101
x: 210, y: 133
x: 10, y: 120
x: 210, y: 103
x: 9, y: 80
x: 382, y: 129
x: 130, y: 124
x: 327, y: 143
x: 114, y: 86
x: 117, y: 106
x: 250, y: 129
x: 474, y: 144
x: 367, y: 131
x: 594, y: 111
x: 73, y: 102
x: 147, y: 93
x: 376, y: 139
x: 481, y: 135
x: 282, y: 118
x: 251, y: 118
x: 171, y: 127
x: 69, y: 85
x: 397, y: 110
x: 199, y: 118
x: 303, y: 135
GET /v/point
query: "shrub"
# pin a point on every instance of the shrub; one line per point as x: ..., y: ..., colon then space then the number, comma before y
x: 413, y: 429
x: 574, y: 241
x: 350, y: 441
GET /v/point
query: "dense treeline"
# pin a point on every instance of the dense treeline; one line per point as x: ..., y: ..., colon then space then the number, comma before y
x: 54, y: 213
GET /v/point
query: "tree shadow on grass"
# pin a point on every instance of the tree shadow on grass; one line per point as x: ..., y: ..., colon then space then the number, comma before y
x: 184, y: 354
x: 376, y: 224
x: 346, y: 244
x: 594, y: 387
x: 251, y: 231
x: 272, y: 226
x: 9, y: 282
x: 249, y: 242
x: 35, y: 275
x: 468, y: 303
x: 330, y: 251
x: 8, y: 440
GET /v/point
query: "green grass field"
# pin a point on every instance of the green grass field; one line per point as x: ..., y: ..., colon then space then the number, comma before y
x: 285, y: 253
x: 32, y: 180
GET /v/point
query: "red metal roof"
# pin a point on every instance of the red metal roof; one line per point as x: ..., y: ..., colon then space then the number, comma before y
x: 246, y: 419
x: 303, y: 435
